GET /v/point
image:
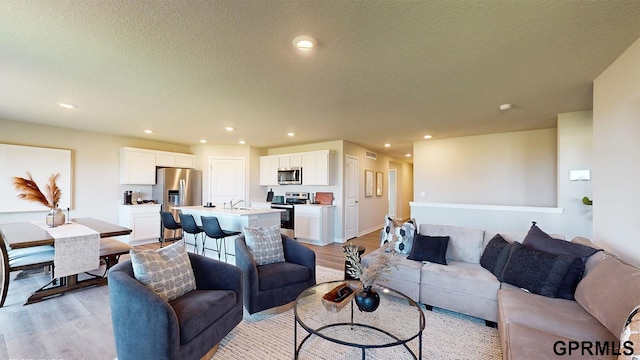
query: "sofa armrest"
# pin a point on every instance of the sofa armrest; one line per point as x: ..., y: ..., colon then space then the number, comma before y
x: 135, y: 309
x: 212, y: 274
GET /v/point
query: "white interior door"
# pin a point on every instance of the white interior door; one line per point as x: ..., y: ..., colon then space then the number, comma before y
x: 393, y: 193
x: 226, y: 180
x: 351, y: 198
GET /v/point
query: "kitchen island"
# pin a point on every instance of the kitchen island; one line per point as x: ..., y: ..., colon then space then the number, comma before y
x: 233, y: 219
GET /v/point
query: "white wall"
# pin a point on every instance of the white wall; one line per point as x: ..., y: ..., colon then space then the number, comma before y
x: 616, y: 162
x: 575, y: 135
x: 516, y: 168
x: 95, y: 167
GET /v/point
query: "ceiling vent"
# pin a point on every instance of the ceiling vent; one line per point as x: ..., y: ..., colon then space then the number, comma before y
x: 371, y: 155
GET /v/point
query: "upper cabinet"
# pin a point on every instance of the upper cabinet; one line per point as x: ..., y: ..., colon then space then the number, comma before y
x: 316, y: 167
x: 269, y: 170
x: 138, y: 166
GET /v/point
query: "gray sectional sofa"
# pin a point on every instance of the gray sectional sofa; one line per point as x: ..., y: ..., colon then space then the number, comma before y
x: 531, y: 326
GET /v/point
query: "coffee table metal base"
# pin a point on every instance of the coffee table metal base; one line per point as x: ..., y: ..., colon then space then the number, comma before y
x: 352, y: 325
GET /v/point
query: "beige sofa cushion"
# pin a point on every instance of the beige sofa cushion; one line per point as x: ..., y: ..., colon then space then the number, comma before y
x: 561, y: 317
x: 529, y: 343
x: 609, y: 292
x: 465, y: 244
x: 463, y: 277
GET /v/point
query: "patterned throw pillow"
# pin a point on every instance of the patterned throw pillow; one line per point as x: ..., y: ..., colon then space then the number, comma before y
x: 265, y: 244
x: 404, y: 236
x: 388, y: 232
x: 630, y: 339
x: 167, y: 271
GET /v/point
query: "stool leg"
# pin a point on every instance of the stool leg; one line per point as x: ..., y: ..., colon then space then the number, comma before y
x: 224, y: 246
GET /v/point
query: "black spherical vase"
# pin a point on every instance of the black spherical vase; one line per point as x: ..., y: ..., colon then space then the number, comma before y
x: 367, y: 299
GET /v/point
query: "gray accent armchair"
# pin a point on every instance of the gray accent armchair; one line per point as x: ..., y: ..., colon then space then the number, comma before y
x: 271, y: 285
x: 146, y: 326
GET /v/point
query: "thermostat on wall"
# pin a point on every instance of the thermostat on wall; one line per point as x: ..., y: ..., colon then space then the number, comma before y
x: 579, y: 175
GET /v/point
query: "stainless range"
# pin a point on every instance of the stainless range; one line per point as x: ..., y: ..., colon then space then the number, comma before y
x: 287, y: 217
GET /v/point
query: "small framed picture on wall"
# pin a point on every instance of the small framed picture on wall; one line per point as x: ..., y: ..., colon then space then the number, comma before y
x: 379, y: 183
x: 368, y: 183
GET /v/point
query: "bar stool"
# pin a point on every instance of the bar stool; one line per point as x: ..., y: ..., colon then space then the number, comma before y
x: 211, y: 227
x: 168, y: 223
x: 189, y: 226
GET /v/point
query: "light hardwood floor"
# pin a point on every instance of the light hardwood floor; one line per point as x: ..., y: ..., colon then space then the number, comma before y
x: 78, y: 324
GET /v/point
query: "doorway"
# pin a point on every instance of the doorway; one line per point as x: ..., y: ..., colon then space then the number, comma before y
x: 351, y: 197
x: 226, y: 180
x: 393, y: 193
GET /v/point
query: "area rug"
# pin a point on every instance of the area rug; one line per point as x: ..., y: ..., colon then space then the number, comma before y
x: 42, y: 331
x: 447, y: 335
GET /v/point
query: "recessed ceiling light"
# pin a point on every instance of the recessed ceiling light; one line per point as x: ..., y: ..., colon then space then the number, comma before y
x: 229, y: 128
x: 504, y: 107
x: 291, y: 134
x: 408, y: 155
x: 387, y: 145
x: 242, y: 142
x: 66, y: 106
x: 428, y: 136
x: 304, y: 42
x: 148, y: 131
x: 203, y: 141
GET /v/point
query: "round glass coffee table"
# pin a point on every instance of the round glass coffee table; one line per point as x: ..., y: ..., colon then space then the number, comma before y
x: 396, y: 321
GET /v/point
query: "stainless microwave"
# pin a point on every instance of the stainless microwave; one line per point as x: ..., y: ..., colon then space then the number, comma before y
x: 290, y: 176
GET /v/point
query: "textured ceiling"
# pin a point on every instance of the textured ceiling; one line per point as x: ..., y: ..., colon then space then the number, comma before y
x: 383, y: 71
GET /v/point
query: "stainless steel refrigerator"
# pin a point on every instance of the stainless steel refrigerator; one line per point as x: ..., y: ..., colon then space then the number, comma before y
x: 177, y: 187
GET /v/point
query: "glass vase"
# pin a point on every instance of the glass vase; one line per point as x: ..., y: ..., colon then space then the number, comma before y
x: 55, y: 217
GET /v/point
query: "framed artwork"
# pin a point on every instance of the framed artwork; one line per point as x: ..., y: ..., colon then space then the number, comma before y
x: 379, y: 176
x: 368, y: 183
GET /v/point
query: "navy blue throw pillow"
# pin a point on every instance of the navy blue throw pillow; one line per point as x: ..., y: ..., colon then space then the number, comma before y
x: 429, y: 248
x: 540, y: 240
x: 491, y: 256
x: 536, y: 271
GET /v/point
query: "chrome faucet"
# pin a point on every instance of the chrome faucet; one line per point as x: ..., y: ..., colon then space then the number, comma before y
x: 233, y: 206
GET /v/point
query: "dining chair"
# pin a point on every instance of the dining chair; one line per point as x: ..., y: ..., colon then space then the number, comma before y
x: 168, y: 223
x: 21, y: 259
x: 212, y: 229
x: 189, y: 226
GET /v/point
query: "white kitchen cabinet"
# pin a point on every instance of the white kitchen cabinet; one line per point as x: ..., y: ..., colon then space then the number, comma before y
x: 167, y: 159
x: 137, y: 167
x: 186, y: 161
x: 143, y: 220
x: 314, y: 224
x: 316, y: 168
x: 269, y: 170
x: 289, y: 160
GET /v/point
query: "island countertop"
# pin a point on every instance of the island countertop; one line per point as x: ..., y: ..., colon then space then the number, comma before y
x: 240, y: 211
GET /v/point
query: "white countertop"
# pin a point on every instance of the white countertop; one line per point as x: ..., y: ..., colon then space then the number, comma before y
x: 239, y: 211
x: 315, y: 205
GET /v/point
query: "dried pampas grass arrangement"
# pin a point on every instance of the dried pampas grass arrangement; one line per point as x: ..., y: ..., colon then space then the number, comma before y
x: 378, y: 270
x: 30, y: 191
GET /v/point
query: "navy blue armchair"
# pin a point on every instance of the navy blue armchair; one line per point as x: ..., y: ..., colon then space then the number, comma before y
x: 271, y: 285
x: 147, y: 327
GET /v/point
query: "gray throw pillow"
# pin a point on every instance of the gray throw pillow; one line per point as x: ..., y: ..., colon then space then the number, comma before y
x: 265, y: 244
x: 167, y: 271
